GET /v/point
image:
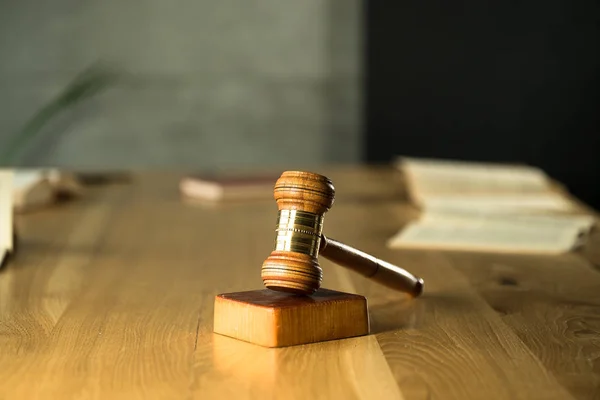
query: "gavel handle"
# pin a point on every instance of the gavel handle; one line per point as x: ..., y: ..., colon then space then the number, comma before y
x: 373, y: 268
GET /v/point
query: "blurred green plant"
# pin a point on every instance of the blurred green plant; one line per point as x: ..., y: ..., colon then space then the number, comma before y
x: 85, y: 85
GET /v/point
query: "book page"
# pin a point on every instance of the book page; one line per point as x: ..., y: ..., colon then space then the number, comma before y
x: 487, y: 236
x: 498, y: 203
x: 24, y: 178
x: 490, y: 207
x: 6, y: 211
x: 461, y: 177
x: 31, y: 189
x: 583, y: 224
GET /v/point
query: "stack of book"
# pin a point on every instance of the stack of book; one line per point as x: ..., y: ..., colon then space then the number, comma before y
x: 489, y: 207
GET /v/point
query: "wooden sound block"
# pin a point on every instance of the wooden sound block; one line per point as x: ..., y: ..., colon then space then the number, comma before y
x: 275, y: 319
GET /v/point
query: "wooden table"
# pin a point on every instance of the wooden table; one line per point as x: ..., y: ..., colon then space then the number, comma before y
x: 111, y: 296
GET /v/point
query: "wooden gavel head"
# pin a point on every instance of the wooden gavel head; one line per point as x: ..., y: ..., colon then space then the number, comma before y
x: 302, y: 199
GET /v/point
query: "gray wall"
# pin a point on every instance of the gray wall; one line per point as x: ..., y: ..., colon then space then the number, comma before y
x: 199, y: 83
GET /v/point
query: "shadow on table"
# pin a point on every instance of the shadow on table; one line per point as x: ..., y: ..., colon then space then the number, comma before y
x: 396, y: 314
x: 409, y: 313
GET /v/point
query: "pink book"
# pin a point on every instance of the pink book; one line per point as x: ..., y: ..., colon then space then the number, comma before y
x: 211, y: 187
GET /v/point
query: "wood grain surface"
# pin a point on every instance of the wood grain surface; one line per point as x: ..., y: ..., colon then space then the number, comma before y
x: 112, y: 295
x: 275, y: 319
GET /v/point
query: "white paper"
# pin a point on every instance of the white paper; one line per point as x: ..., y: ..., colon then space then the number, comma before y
x: 581, y: 223
x: 497, y: 203
x: 6, y: 211
x: 461, y: 177
x: 31, y: 189
x: 24, y: 178
x: 487, y: 236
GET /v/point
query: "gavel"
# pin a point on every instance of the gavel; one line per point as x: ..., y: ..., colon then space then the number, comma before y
x: 302, y: 199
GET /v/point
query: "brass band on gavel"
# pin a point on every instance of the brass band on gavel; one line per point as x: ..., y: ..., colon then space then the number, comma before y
x: 303, y: 198
x: 299, y: 231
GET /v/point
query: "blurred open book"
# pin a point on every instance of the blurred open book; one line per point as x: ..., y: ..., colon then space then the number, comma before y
x: 26, y: 190
x: 489, y: 207
x: 36, y: 188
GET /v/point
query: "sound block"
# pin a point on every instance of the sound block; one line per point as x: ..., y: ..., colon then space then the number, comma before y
x: 274, y: 319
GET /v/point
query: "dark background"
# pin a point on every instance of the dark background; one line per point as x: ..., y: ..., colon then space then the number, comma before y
x: 487, y: 81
